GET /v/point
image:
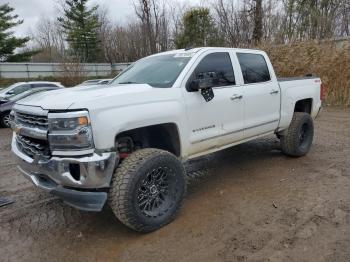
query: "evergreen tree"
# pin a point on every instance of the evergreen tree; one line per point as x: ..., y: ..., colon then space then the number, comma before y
x: 80, y: 24
x: 8, y: 42
x: 198, y: 29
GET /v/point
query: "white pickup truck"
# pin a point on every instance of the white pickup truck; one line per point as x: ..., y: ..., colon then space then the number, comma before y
x: 125, y: 143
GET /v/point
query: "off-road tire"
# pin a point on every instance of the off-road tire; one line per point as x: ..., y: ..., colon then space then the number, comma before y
x: 131, y: 176
x: 298, y: 138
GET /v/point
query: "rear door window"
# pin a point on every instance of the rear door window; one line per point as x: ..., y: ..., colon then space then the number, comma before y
x: 254, y: 68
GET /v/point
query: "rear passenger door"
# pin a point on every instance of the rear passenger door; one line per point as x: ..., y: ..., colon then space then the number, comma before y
x: 261, y: 95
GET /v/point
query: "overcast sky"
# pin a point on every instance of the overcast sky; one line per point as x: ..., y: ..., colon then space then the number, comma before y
x: 31, y: 11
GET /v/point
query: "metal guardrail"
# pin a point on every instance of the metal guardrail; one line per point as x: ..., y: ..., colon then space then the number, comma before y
x: 35, y: 70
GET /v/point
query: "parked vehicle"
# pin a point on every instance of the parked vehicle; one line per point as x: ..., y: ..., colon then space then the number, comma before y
x: 6, y: 104
x: 21, y: 87
x: 95, y: 82
x: 125, y: 143
x: 104, y: 81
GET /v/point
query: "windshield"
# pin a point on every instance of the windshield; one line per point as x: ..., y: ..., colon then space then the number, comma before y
x: 157, y: 71
x: 5, y: 90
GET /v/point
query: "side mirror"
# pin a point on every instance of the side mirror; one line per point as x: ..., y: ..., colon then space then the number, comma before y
x: 10, y: 92
x: 203, y: 80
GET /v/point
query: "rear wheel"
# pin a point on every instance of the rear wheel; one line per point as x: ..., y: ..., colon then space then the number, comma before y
x: 147, y: 189
x: 299, y: 136
x: 5, y: 120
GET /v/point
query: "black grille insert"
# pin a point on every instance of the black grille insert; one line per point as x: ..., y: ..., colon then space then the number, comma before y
x: 33, y: 147
x: 32, y: 120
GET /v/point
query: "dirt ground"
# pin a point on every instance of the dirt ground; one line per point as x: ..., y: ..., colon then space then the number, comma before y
x: 247, y: 203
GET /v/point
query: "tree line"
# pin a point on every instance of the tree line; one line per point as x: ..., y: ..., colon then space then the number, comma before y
x: 90, y: 34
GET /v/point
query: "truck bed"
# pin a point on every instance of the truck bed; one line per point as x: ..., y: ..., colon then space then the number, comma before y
x: 297, y: 89
x: 284, y: 79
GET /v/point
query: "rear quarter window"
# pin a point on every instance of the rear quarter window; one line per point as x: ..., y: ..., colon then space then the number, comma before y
x: 254, y: 68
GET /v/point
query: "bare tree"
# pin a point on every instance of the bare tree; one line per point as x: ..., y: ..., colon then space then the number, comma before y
x: 235, y: 21
x: 175, y: 11
x: 243, y: 23
x: 49, y: 39
x: 154, y: 22
x: 147, y: 12
x: 258, y: 22
x: 343, y: 19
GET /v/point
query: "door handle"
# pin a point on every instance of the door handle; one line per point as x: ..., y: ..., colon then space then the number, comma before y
x: 235, y: 96
x: 274, y: 92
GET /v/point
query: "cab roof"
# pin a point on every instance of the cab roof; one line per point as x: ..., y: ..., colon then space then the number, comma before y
x: 203, y: 49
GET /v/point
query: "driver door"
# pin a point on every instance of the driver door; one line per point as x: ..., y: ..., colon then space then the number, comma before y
x: 218, y: 122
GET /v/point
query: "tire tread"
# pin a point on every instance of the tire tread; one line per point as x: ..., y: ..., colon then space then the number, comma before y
x: 289, y: 144
x: 119, y: 195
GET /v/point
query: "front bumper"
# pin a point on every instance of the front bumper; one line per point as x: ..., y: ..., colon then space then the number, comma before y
x: 74, y: 180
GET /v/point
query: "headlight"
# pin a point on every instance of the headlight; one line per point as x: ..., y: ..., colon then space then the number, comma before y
x: 70, y: 131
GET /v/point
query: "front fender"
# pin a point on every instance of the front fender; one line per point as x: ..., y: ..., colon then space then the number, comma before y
x: 107, y: 124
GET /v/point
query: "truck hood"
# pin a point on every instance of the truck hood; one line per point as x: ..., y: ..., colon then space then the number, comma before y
x: 89, y: 97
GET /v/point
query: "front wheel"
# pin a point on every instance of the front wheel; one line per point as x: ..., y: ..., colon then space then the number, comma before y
x: 299, y: 136
x: 147, y: 189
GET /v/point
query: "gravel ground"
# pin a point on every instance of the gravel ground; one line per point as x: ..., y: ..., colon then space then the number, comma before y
x: 247, y: 203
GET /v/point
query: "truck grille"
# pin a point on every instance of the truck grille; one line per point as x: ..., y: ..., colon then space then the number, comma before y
x: 33, y: 147
x: 33, y: 121
x: 27, y: 139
